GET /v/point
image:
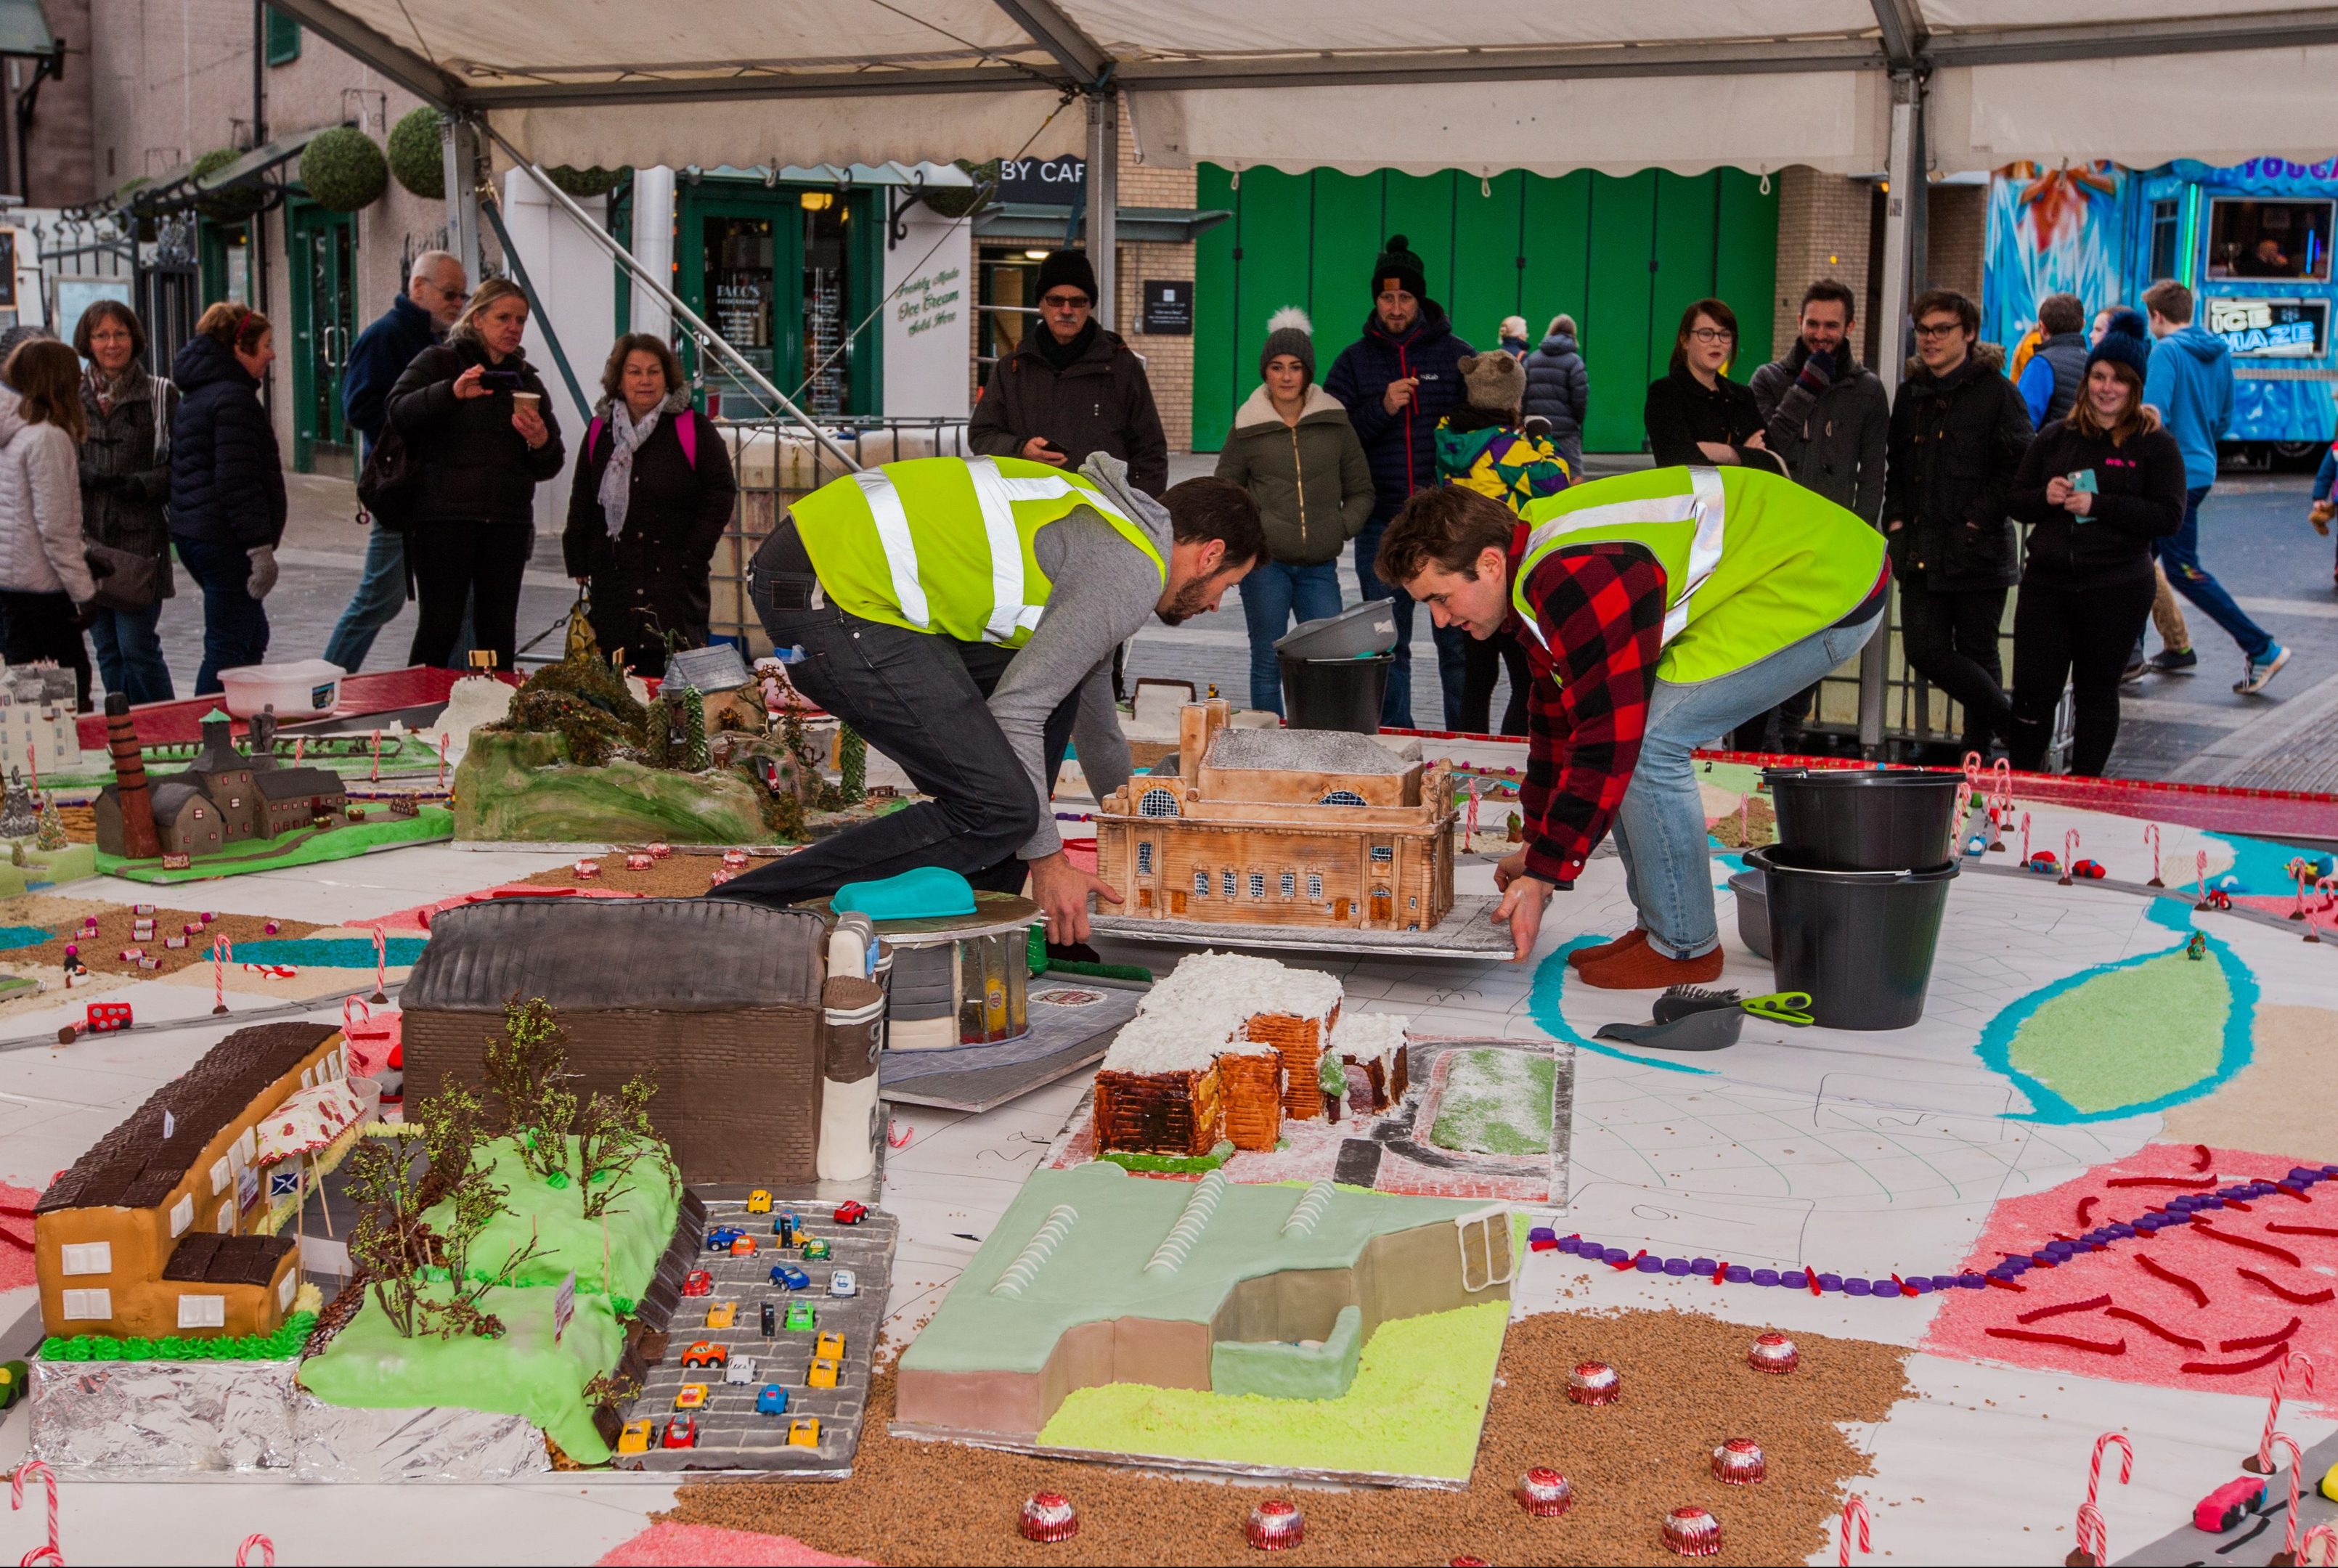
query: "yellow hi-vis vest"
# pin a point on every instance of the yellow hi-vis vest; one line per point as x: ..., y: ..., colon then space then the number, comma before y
x: 1752, y: 561
x: 943, y: 545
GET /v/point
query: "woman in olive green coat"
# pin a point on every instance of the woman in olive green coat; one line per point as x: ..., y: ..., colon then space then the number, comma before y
x: 1293, y: 448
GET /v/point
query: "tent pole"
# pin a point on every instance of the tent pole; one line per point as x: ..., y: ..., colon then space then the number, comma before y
x: 1891, y: 324
x: 709, y: 340
x: 459, y: 147
x: 535, y: 303
x: 1104, y: 201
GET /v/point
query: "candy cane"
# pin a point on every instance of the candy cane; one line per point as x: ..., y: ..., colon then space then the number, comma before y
x: 354, y: 1012
x: 2151, y: 838
x: 377, y: 757
x: 222, y: 952
x: 1972, y: 769
x: 2322, y: 1536
x: 25, y: 1470
x: 256, y: 1541
x: 2296, y: 1464
x: 2025, y: 838
x: 2094, y: 1469
x: 2200, y: 867
x: 2092, y: 1541
x: 2261, y: 1460
x: 2069, y: 853
x: 1854, y: 1511
x: 381, y: 966
x: 1957, y: 817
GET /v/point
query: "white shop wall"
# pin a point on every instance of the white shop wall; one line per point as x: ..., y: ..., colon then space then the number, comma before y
x: 570, y: 279
x: 929, y: 285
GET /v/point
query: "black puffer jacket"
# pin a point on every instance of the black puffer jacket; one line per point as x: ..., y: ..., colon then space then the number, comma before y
x: 125, y: 466
x: 1101, y: 402
x: 1957, y: 443
x: 675, y: 512
x: 2139, y: 497
x: 227, y: 476
x: 470, y: 464
x: 1558, y: 388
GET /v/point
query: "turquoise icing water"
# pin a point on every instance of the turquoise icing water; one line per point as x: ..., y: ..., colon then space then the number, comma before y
x: 13, y: 936
x: 330, y: 952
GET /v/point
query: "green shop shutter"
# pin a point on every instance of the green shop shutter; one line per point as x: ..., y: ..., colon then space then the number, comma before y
x: 283, y: 38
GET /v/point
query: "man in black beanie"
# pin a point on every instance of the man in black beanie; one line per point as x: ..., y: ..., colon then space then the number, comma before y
x: 1071, y: 389
x: 1397, y: 381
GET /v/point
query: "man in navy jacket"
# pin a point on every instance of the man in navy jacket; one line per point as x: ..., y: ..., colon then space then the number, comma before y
x: 436, y: 292
x: 1397, y: 381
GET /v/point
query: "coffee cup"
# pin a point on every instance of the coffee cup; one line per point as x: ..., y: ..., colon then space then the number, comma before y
x: 527, y: 400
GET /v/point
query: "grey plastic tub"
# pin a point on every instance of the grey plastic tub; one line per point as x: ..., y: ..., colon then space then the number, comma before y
x: 1753, y: 894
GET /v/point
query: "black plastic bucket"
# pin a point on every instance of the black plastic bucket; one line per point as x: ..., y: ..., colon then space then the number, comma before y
x: 1865, y: 820
x: 1859, y: 942
x: 1335, y: 693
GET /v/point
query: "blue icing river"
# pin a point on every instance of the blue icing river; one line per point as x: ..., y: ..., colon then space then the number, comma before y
x: 330, y: 952
x: 14, y: 937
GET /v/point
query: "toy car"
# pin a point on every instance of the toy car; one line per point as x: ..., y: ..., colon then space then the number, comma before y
x: 803, y: 1432
x: 743, y: 1248
x: 15, y: 1382
x: 719, y: 1240
x: 689, y: 1396
x: 722, y: 1315
x: 705, y: 1353
x: 844, y: 1282
x: 698, y: 1282
x: 2329, y: 1487
x: 636, y: 1438
x: 770, y: 1318
x: 742, y: 1370
x: 821, y: 1376
x: 801, y: 1320
x: 2228, y: 1504
x: 831, y: 1346
x: 759, y: 1201
x: 105, y: 1017
x: 850, y: 1212
x: 2217, y: 898
x: 771, y: 1401
x: 2092, y: 869
x: 789, y: 1276
x: 682, y: 1432
x: 2043, y: 861
x: 814, y: 1248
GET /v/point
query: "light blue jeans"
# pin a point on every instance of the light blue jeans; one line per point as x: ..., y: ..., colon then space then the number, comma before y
x: 1660, y: 829
x: 1270, y: 595
x: 381, y: 595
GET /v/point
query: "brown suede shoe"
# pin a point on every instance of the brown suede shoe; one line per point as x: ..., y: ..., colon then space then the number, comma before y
x: 1631, y: 941
x: 1645, y: 969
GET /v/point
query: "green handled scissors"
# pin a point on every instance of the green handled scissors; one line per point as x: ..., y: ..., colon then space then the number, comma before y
x: 1780, y: 1007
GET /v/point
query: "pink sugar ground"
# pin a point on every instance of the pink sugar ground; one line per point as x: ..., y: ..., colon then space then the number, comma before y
x: 16, y: 1236
x: 2323, y: 917
x: 2237, y: 1309
x: 418, y: 918
x: 670, y: 1545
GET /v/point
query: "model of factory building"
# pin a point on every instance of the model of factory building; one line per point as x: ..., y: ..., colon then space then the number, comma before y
x: 1281, y: 827
x: 226, y: 795
x: 36, y: 717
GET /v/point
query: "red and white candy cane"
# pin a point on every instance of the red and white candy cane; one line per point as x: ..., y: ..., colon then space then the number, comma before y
x: 354, y: 1012
x: 222, y: 953
x: 1957, y: 817
x: 1854, y: 1511
x: 2151, y: 836
x: 2200, y: 868
x: 2320, y: 1548
x: 2088, y: 1536
x: 2261, y: 1462
x: 2095, y: 1468
x: 256, y: 1541
x: 2296, y: 1465
x: 2025, y: 838
x: 25, y: 1472
x: 2069, y: 851
x: 381, y: 966
x: 2001, y: 776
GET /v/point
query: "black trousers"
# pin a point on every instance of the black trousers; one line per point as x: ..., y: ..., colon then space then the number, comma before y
x: 1482, y: 664
x: 918, y: 698
x: 2082, y: 635
x: 1950, y: 639
x: 455, y: 563
x: 41, y: 626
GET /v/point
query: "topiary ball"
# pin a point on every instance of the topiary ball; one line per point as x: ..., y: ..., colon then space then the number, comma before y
x: 343, y: 170
x: 230, y: 206
x: 416, y: 158
x: 582, y: 183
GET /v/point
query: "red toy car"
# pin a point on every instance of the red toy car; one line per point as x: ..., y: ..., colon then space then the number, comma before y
x: 682, y: 1432
x: 2043, y: 861
x: 850, y: 1213
x: 2090, y: 869
x: 2228, y: 1504
x: 105, y: 1017
x: 698, y: 1282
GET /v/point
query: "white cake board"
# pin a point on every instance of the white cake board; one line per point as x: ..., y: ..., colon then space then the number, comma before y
x: 1466, y: 932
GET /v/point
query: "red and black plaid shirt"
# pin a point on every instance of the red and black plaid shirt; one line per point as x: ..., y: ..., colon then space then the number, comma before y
x: 1601, y: 612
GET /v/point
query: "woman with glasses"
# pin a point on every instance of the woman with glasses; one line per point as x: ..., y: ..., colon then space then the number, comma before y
x: 1695, y: 415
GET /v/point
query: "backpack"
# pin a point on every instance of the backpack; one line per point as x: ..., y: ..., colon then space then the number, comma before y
x: 386, y: 487
x: 685, y: 431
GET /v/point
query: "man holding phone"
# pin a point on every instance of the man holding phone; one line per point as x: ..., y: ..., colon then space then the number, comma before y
x: 1071, y: 389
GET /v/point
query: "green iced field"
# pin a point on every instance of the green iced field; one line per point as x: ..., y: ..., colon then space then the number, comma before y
x: 1496, y: 1102
x: 301, y: 846
x: 632, y: 1234
x: 521, y: 789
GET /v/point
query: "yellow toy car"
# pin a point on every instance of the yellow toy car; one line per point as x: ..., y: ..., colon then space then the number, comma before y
x: 636, y: 1438
x: 759, y: 1201
x: 722, y: 1315
x: 690, y: 1397
x: 830, y: 1347
x: 821, y: 1376
x: 803, y: 1432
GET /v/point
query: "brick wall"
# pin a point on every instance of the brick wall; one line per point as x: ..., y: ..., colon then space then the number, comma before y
x: 1168, y: 360
x: 1823, y: 231
x: 1956, y: 237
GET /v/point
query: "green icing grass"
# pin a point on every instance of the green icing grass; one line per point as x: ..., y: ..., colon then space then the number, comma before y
x: 1171, y: 1164
x: 1415, y: 1408
x: 284, y: 1343
x: 640, y: 1222
x: 2128, y: 1035
x: 1496, y: 1102
x: 301, y: 847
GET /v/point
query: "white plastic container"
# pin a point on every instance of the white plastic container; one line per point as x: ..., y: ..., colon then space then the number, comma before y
x: 306, y: 688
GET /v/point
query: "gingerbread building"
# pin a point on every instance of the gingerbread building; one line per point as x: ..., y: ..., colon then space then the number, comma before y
x: 1281, y: 827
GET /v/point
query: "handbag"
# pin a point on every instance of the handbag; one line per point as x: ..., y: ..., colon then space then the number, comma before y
x: 388, y: 487
x: 125, y: 579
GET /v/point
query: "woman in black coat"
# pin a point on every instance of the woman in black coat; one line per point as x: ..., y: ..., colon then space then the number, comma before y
x: 650, y: 500
x: 227, y: 484
x: 480, y: 434
x: 125, y: 481
x: 1695, y: 415
x: 2098, y: 487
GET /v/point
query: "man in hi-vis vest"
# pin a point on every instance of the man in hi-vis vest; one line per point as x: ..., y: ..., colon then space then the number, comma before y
x: 1659, y: 610
x: 957, y: 612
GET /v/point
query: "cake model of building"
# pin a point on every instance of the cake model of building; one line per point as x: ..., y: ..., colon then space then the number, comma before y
x: 1281, y: 827
x: 225, y: 796
x: 731, y: 1008
x: 149, y: 1234
x: 1229, y: 1046
x: 37, y: 716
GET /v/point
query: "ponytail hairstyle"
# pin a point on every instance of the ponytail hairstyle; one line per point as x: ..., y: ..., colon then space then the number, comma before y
x: 46, y: 374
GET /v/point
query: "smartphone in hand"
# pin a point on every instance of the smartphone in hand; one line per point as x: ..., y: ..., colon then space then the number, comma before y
x: 2083, y: 482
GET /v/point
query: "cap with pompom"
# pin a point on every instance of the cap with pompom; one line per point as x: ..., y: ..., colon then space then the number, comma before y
x: 1398, y: 268
x: 1288, y: 332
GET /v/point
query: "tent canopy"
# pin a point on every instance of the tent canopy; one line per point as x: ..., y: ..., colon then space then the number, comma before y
x: 1614, y: 85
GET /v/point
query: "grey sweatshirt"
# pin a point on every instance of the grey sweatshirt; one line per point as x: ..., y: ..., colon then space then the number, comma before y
x: 1104, y: 590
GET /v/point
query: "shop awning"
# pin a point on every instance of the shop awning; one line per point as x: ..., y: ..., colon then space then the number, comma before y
x: 182, y: 188
x: 1039, y: 221
x: 24, y: 30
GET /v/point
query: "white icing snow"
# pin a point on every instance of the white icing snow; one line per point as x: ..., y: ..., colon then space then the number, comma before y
x: 1367, y: 1036
x: 1204, y: 1007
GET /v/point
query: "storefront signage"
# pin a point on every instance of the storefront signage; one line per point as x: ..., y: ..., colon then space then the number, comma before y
x: 1168, y: 306
x: 929, y: 301
x: 1058, y: 182
x: 2271, y: 329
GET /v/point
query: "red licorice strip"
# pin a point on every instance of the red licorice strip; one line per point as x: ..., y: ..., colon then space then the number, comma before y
x: 2085, y: 1207
x: 2302, y: 1298
x: 2117, y: 1348
x: 2172, y: 1277
x: 2283, y: 1253
x: 1720, y: 1271
x: 2088, y: 1305
x: 2004, y: 1284
x: 2234, y: 1369
x: 1631, y: 1262
x: 2185, y: 1182
x: 2254, y: 1341
x: 2200, y: 1158
x: 2236, y: 1204
x: 2140, y: 1321
x: 2278, y: 1228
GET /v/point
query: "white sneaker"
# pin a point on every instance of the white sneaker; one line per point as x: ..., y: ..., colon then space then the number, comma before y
x: 2261, y: 672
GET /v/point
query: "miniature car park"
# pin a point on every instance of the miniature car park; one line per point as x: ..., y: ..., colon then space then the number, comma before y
x: 773, y: 1400
x: 844, y: 1282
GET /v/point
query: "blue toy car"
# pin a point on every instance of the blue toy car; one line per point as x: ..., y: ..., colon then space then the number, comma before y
x: 771, y: 1401
x: 787, y: 1274
x: 719, y: 1240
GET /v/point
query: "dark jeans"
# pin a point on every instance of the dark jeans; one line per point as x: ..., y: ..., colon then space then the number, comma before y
x: 235, y: 624
x: 1950, y: 640
x: 917, y: 698
x: 1271, y: 594
x: 2081, y: 635
x: 476, y: 563
x: 41, y: 626
x: 1482, y: 664
x: 1452, y: 661
x: 2181, y: 556
x: 130, y: 653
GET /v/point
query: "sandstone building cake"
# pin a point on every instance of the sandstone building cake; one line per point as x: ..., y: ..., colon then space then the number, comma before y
x: 1281, y: 827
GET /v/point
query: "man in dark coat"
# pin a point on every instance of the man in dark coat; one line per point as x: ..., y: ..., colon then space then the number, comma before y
x: 1958, y: 432
x: 2049, y: 382
x: 227, y: 489
x: 1397, y: 381
x: 435, y: 290
x: 1071, y: 389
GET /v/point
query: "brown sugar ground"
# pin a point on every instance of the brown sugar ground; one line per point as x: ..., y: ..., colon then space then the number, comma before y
x: 685, y: 874
x: 1686, y: 1389
x: 102, y: 953
x: 1732, y: 831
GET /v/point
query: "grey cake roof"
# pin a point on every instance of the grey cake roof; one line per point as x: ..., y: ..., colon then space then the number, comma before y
x: 284, y: 783
x: 678, y: 955
x: 1303, y: 750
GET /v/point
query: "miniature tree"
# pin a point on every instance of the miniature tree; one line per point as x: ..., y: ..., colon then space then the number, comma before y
x: 451, y: 1122
x: 614, y: 1132
x: 657, y: 731
x: 390, y: 1240
x: 694, y: 723
x: 852, y: 765
x: 51, y: 832
x: 525, y: 1069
